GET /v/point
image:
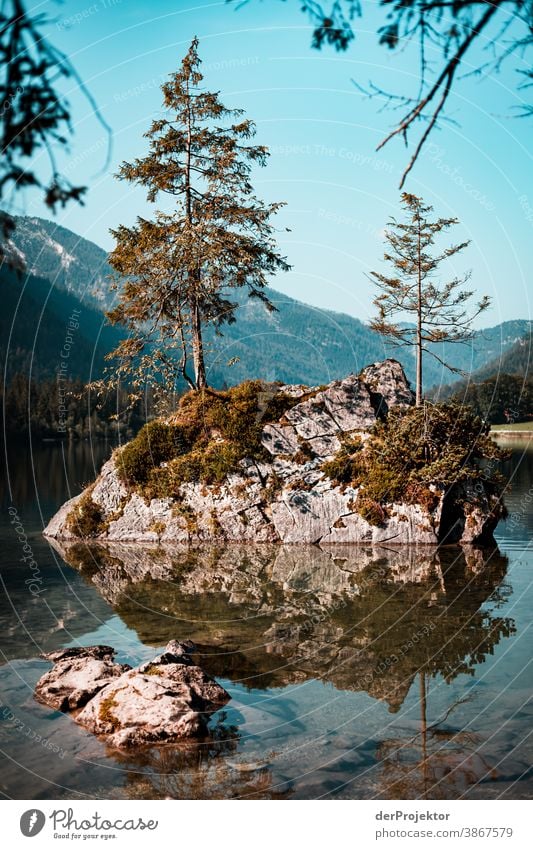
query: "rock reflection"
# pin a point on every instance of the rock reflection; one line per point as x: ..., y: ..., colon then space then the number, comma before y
x: 200, y: 770
x: 361, y: 619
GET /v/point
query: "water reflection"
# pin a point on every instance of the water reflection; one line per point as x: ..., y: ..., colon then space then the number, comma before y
x: 361, y: 619
x: 437, y: 762
x: 518, y: 471
x: 207, y: 770
x: 37, y: 477
x: 65, y: 609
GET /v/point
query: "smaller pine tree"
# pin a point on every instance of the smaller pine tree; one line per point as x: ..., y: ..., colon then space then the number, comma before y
x: 439, y: 310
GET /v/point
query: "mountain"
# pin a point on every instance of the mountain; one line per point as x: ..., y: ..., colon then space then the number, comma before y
x: 502, y: 390
x: 298, y: 343
x: 515, y: 360
x: 70, y: 262
x: 44, y: 328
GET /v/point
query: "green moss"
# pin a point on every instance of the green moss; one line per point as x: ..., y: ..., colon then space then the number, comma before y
x: 204, y: 441
x: 304, y: 453
x: 345, y: 465
x: 155, y: 443
x: 278, y: 406
x: 184, y: 511
x: 300, y: 484
x: 281, y: 403
x: 105, y: 712
x: 153, y: 670
x: 372, y: 511
x: 420, y: 493
x: 274, y: 486
x: 86, y: 519
x: 214, y: 523
x: 115, y: 516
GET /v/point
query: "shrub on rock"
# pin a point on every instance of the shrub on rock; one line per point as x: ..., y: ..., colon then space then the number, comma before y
x: 86, y: 518
x: 155, y: 443
x: 413, y: 449
x: 204, y: 440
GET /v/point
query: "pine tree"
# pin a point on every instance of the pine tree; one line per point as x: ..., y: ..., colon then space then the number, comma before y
x: 215, y: 235
x: 439, y: 309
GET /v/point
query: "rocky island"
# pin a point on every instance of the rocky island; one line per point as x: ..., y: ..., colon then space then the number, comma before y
x: 354, y: 461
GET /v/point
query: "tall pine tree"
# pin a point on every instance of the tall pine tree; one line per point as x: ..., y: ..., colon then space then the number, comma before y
x: 215, y: 235
x: 432, y: 312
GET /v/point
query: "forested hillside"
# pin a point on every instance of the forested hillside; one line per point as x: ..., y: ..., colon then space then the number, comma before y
x: 36, y: 338
x: 502, y: 390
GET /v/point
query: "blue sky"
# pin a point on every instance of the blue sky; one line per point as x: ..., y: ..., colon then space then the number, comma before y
x: 322, y: 134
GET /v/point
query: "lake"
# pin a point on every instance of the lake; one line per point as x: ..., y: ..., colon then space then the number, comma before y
x: 353, y: 672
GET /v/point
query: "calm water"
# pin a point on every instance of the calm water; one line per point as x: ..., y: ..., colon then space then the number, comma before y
x: 354, y: 673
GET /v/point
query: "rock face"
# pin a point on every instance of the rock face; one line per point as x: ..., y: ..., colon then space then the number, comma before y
x: 165, y: 700
x: 287, y: 497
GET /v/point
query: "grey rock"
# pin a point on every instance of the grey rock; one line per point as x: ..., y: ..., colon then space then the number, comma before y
x: 478, y: 518
x: 174, y: 652
x: 387, y: 384
x: 407, y: 525
x: 288, y: 470
x: 167, y: 699
x: 138, y: 517
x: 163, y: 701
x: 97, y: 652
x: 348, y: 403
x: 77, y: 676
x: 297, y: 390
x: 57, y: 526
x: 280, y: 439
x: 305, y: 516
x: 109, y: 491
x: 324, y: 446
x: 166, y: 706
x: 310, y: 419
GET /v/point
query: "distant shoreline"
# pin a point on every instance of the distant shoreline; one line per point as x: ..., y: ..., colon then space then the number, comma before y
x: 527, y: 434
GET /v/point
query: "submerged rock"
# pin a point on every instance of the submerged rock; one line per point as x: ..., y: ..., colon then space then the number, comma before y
x: 286, y: 496
x: 164, y: 700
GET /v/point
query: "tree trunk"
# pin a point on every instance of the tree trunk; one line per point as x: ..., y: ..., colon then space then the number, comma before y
x: 194, y: 277
x: 183, y: 364
x: 197, y: 346
x: 419, y: 324
x: 419, y: 365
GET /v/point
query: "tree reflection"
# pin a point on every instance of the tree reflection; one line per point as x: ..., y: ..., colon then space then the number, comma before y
x: 435, y: 763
